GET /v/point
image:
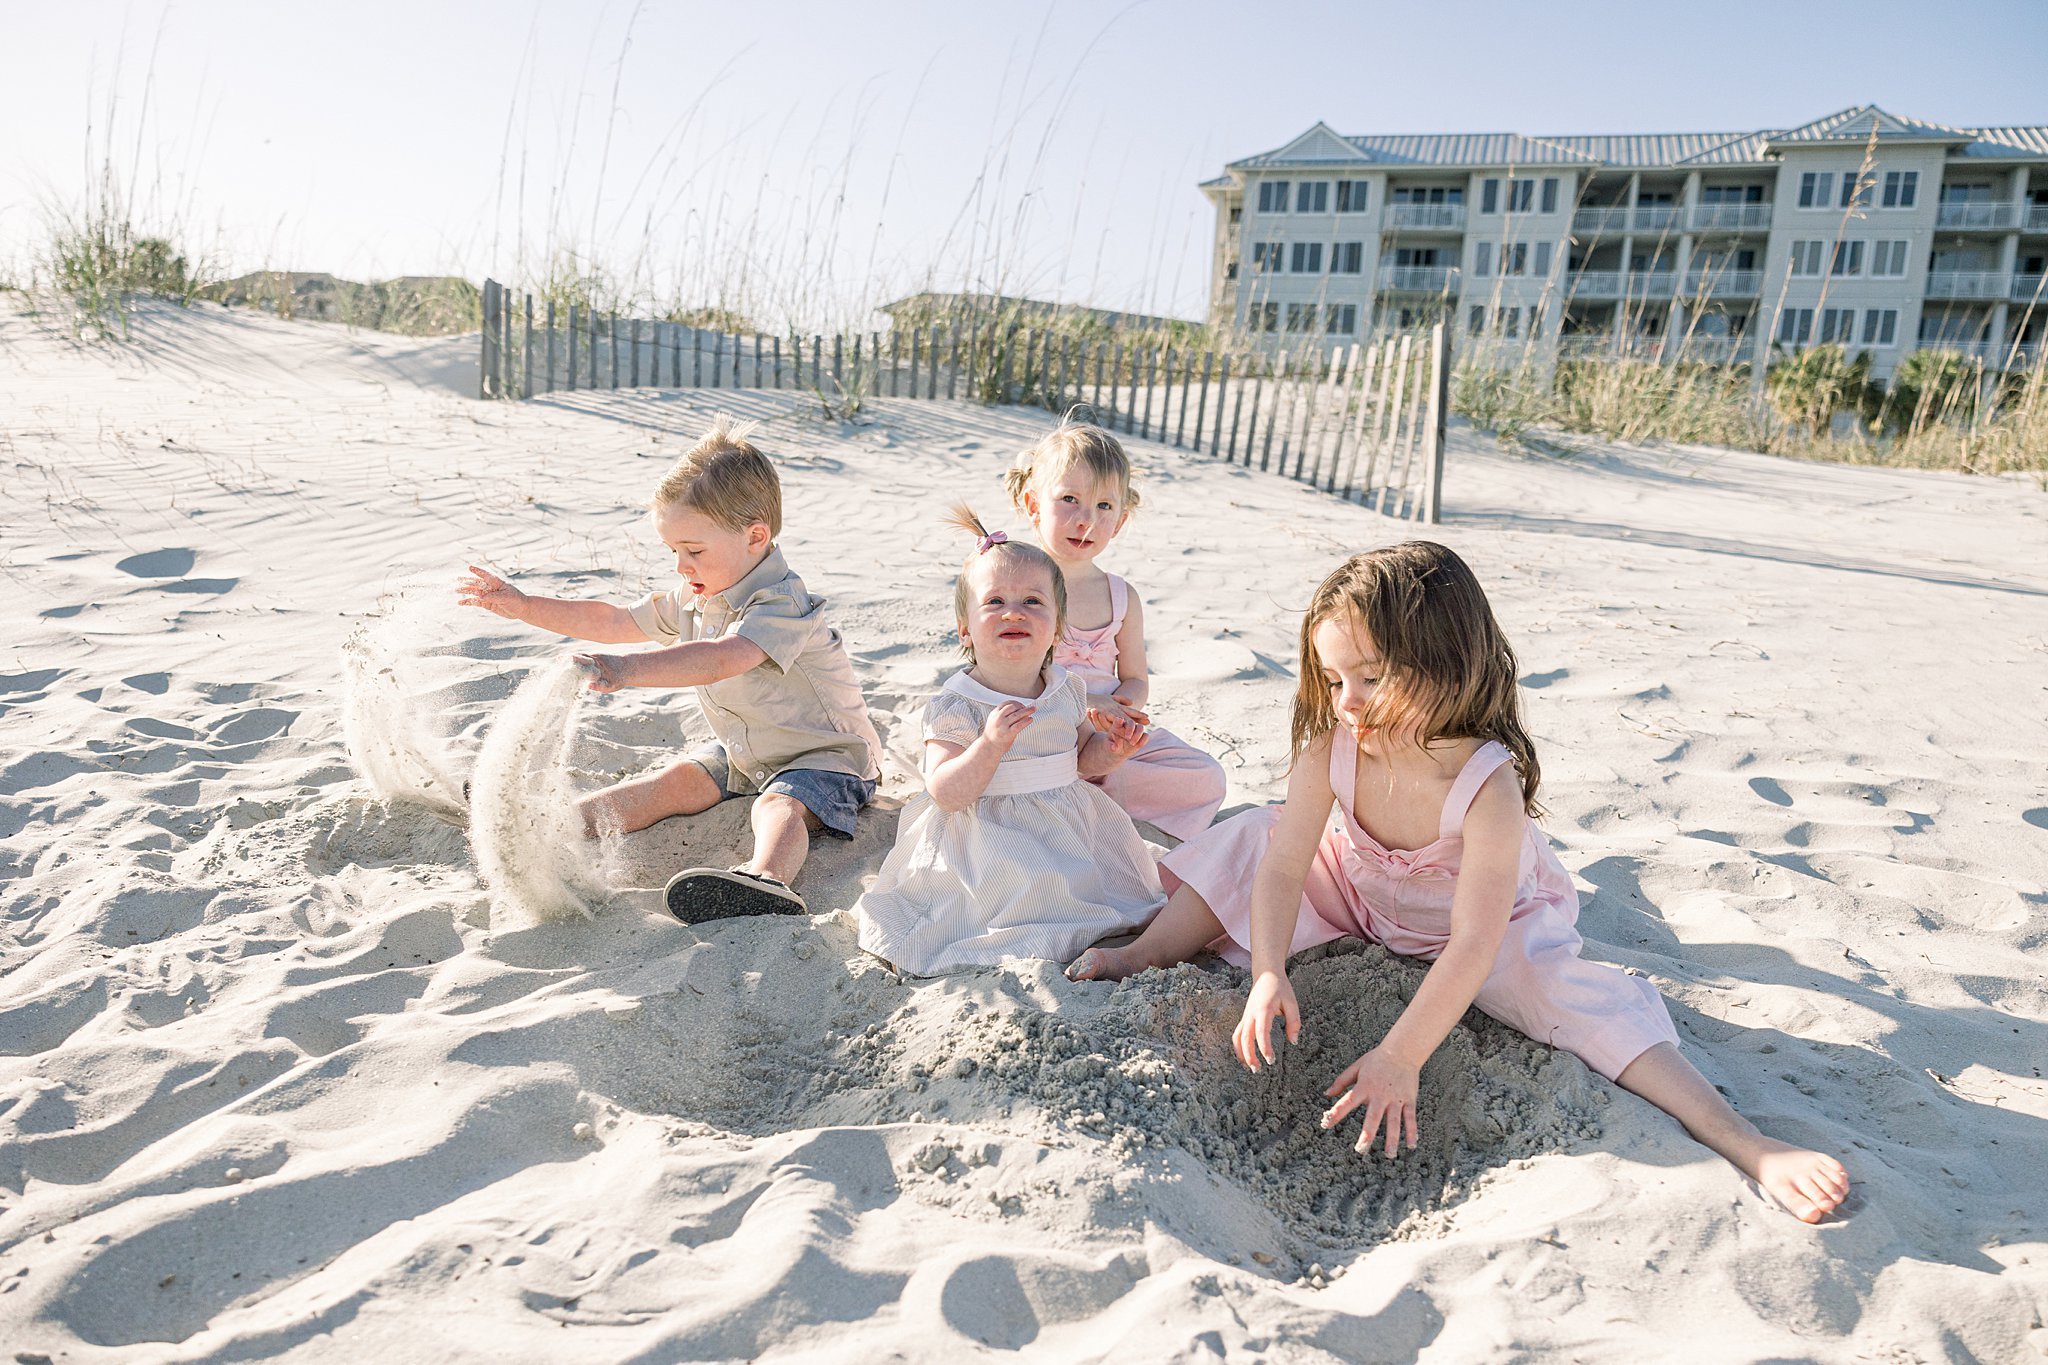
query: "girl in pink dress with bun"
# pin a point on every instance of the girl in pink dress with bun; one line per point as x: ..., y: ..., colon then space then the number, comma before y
x: 1075, y: 485
x: 1408, y: 822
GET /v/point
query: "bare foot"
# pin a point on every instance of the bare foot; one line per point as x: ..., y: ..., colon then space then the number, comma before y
x: 1105, y: 964
x: 1810, y: 1185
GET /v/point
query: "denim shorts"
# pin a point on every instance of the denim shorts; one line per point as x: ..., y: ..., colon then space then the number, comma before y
x: 835, y: 798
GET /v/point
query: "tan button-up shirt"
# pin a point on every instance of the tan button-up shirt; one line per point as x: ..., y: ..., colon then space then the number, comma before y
x: 798, y: 708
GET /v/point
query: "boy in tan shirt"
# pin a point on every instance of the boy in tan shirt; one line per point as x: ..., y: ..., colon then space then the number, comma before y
x: 790, y: 724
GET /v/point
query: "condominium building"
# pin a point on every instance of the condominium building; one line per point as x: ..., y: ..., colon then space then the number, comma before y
x: 1863, y: 229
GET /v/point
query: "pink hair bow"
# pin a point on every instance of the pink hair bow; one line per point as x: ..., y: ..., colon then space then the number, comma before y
x: 990, y: 541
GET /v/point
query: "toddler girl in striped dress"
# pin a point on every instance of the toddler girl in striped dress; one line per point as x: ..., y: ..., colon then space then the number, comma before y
x: 1009, y: 853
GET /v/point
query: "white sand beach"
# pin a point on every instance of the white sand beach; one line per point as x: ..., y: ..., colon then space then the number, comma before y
x: 283, y: 1077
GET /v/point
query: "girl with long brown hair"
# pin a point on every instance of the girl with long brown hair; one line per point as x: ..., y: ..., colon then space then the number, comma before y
x: 1407, y: 720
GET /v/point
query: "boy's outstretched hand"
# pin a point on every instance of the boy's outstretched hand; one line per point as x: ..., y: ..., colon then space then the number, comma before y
x: 1386, y: 1088
x: 485, y: 589
x: 603, y: 672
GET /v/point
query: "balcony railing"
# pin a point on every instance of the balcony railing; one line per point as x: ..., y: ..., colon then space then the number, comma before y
x: 1444, y: 217
x: 2037, y: 218
x: 1418, y: 279
x: 2028, y: 289
x: 1601, y: 218
x: 1724, y: 284
x: 1966, y: 284
x: 1655, y: 217
x: 1730, y: 217
x: 1607, y: 284
x: 1977, y: 214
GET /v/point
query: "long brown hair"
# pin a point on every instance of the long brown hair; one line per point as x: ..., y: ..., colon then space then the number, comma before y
x: 1445, y: 668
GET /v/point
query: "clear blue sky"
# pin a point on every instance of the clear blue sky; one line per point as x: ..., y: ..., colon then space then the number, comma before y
x: 807, y: 159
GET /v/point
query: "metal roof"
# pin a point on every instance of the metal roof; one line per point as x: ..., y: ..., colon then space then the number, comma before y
x: 1320, y: 147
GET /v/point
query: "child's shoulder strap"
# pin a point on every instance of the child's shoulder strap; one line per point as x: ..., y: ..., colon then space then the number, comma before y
x: 1119, y: 600
x: 1484, y: 761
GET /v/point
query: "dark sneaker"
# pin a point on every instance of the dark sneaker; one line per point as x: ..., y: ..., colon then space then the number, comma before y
x: 702, y: 894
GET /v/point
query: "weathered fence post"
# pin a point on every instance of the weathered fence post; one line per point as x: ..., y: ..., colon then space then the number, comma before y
x: 484, y: 337
x: 1201, y: 400
x: 575, y: 335
x: 1439, y: 405
x: 551, y: 347
x: 526, y: 353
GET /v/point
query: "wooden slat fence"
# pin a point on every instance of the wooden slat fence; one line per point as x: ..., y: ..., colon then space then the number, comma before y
x: 1365, y: 422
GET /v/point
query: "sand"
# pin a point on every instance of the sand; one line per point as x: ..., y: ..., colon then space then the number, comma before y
x: 300, y: 1057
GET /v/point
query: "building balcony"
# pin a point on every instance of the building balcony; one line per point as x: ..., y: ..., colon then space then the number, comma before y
x: 1712, y: 350
x: 1724, y: 284
x: 1656, y: 218
x: 2028, y: 289
x: 1971, y: 216
x: 1731, y: 217
x: 1600, y: 218
x: 2037, y: 218
x: 2000, y: 355
x: 1418, y: 279
x: 1966, y: 284
x: 1608, y: 284
x: 1427, y: 217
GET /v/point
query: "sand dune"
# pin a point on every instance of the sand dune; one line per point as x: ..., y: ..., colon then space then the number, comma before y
x: 284, y: 1075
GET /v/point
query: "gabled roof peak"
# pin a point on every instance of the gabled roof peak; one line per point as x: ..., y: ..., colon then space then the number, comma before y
x: 1861, y: 122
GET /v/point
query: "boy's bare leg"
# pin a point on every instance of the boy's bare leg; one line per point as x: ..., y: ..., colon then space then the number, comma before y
x: 1184, y: 927
x: 682, y: 788
x: 783, y: 827
x: 1809, y: 1184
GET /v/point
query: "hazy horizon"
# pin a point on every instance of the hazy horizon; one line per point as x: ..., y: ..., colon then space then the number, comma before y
x: 816, y: 167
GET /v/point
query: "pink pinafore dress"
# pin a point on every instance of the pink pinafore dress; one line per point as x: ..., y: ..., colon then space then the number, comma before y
x: 1401, y: 898
x: 1168, y: 781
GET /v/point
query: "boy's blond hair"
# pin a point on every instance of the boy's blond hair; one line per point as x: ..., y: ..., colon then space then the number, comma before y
x: 1067, y: 446
x: 726, y: 478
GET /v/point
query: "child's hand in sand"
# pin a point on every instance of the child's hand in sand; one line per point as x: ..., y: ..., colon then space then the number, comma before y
x: 1126, y: 735
x: 485, y: 589
x: 1005, y: 723
x: 1386, y: 1087
x: 1272, y: 995
x: 604, y: 672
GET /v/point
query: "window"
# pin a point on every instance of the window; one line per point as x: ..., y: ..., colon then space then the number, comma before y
x: 1848, y: 259
x: 1347, y: 258
x: 1856, y: 190
x: 1301, y: 317
x: 1475, y: 321
x: 1266, y: 256
x: 1352, y: 195
x: 1901, y: 188
x: 1341, y: 319
x: 1482, y: 257
x: 1236, y: 214
x: 1806, y: 257
x: 1550, y: 194
x: 1795, y: 326
x: 1489, y: 196
x: 1264, y: 317
x: 1837, y: 324
x: 1888, y: 260
x: 1880, y: 326
x: 1543, y: 259
x: 1535, y: 318
x: 1731, y: 194
x: 1521, y: 193
x: 1514, y: 258
x: 1510, y: 322
x: 1429, y: 194
x: 1273, y: 196
x: 1312, y: 196
x: 1230, y: 270
x: 1308, y: 258
x: 1815, y: 189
